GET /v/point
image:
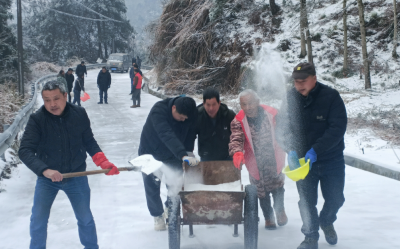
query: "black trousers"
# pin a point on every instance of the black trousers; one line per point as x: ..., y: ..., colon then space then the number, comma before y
x: 173, y: 172
x: 331, y: 175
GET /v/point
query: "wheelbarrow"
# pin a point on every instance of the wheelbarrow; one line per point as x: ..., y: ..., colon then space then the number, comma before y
x: 212, y: 193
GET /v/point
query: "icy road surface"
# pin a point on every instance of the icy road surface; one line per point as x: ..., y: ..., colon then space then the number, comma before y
x: 368, y: 219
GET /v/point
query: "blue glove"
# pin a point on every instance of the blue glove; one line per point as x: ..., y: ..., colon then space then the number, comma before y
x: 312, y: 155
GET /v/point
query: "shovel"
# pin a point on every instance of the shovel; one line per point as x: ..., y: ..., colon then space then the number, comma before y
x: 145, y: 163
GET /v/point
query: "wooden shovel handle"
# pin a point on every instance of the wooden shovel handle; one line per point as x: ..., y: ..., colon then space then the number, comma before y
x: 95, y: 172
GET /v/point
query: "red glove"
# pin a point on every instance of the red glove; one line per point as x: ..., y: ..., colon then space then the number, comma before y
x: 238, y: 159
x: 101, y: 160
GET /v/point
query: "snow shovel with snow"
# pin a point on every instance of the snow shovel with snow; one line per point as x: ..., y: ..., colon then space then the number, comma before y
x: 145, y: 163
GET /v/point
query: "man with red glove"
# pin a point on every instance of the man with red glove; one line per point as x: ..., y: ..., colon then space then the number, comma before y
x: 55, y: 141
x: 253, y: 132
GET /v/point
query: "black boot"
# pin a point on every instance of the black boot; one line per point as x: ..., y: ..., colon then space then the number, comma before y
x: 308, y: 243
x: 330, y: 234
x: 100, y: 102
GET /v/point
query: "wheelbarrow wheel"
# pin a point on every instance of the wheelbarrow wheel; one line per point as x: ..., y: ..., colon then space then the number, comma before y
x: 250, y: 217
x: 174, y: 228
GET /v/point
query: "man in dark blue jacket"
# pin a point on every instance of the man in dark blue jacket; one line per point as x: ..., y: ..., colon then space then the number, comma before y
x: 55, y: 141
x: 168, y: 135
x: 315, y: 124
x: 103, y: 83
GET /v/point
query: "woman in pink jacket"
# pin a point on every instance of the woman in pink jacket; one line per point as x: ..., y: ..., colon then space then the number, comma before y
x: 253, y: 143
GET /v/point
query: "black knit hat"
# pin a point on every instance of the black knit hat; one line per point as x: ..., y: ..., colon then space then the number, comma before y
x: 303, y: 70
x: 186, y: 106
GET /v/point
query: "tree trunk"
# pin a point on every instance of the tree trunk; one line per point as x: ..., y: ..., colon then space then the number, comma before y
x: 345, y: 53
x: 364, y: 45
x: 105, y: 44
x: 394, y: 53
x: 100, y: 50
x: 303, y: 51
x: 274, y: 7
x: 304, y: 21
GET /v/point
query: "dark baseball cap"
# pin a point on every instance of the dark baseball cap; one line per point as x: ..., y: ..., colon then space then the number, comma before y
x: 82, y: 62
x: 70, y: 69
x: 303, y: 70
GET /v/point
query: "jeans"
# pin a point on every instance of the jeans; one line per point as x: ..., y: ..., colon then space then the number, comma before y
x: 152, y: 184
x: 331, y: 175
x: 136, y: 96
x: 77, y: 97
x: 78, y: 192
x: 265, y: 203
x: 101, y: 92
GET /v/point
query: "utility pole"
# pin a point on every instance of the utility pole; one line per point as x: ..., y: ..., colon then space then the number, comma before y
x: 20, y: 50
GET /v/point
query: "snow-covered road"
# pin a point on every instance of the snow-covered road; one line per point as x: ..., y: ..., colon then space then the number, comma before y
x: 368, y: 219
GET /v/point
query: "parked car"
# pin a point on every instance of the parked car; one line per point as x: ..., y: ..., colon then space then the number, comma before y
x: 119, y: 62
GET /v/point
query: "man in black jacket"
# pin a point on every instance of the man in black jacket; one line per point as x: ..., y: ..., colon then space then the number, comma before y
x: 103, y: 83
x: 81, y: 69
x: 69, y: 76
x: 315, y: 125
x: 55, y: 141
x: 213, y: 127
x: 168, y: 135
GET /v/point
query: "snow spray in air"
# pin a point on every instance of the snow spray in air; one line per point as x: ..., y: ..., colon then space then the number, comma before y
x: 268, y: 75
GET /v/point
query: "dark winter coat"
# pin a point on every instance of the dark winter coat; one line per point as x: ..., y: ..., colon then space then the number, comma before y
x: 317, y: 121
x: 79, y: 85
x: 133, y: 60
x: 213, y: 140
x: 58, y: 142
x: 139, y: 62
x: 80, y: 70
x: 70, y: 79
x: 104, y: 80
x: 163, y: 136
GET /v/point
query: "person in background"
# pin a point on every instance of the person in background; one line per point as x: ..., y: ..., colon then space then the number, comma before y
x: 314, y: 121
x: 61, y: 78
x: 103, y: 83
x: 133, y: 60
x: 138, y: 61
x: 253, y: 144
x: 168, y: 135
x: 69, y: 77
x: 79, y: 86
x: 132, y: 76
x: 56, y: 140
x: 213, y: 127
x: 137, y: 88
x: 81, y: 69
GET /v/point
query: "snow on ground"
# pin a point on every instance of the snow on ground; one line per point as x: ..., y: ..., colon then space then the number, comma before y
x: 369, y: 218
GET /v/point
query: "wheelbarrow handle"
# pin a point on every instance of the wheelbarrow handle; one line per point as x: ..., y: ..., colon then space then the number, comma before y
x: 95, y: 172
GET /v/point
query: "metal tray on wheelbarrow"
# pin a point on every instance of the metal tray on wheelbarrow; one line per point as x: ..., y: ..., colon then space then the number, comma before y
x: 212, y: 193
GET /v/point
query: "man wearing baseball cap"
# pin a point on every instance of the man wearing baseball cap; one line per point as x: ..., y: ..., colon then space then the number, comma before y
x: 314, y: 122
x: 69, y: 76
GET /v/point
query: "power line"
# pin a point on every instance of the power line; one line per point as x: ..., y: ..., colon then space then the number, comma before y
x: 89, y: 9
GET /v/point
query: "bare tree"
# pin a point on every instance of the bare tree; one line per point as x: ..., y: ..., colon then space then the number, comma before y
x: 303, y: 51
x: 274, y: 7
x: 345, y: 53
x: 305, y: 29
x: 364, y: 45
x: 394, y: 53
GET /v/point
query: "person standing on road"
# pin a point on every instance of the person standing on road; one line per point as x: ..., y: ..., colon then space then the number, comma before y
x: 213, y: 127
x: 133, y: 60
x: 81, y: 69
x: 103, y: 83
x: 61, y: 78
x: 79, y: 86
x: 56, y: 140
x: 137, y: 88
x: 132, y: 76
x: 253, y: 143
x: 69, y: 77
x: 138, y: 61
x: 168, y: 135
x: 314, y: 121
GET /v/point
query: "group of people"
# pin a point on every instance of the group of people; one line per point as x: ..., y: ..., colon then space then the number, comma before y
x: 312, y: 122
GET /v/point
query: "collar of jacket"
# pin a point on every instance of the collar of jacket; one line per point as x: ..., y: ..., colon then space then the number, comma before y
x: 311, y: 96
